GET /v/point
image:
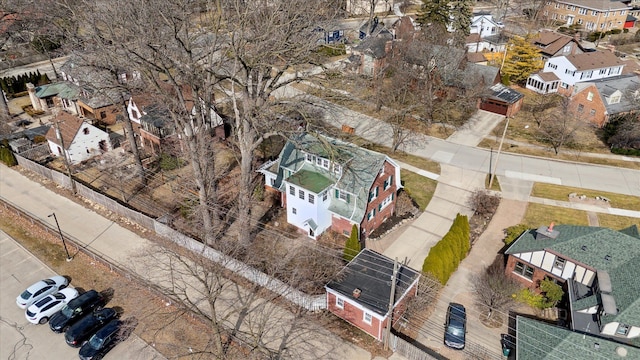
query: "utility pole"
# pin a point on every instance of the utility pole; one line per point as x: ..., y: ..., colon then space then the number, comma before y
x: 391, y: 301
x: 56, y: 122
x: 69, y: 258
x: 495, y: 166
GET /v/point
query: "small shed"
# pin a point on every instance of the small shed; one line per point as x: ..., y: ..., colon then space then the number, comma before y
x: 20, y: 145
x: 503, y: 100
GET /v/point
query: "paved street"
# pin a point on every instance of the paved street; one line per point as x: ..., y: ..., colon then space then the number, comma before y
x: 19, y: 339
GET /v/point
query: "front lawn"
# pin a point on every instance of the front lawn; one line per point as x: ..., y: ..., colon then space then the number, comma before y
x: 558, y: 192
x: 538, y: 215
x: 420, y: 188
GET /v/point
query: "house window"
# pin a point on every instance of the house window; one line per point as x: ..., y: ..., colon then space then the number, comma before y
x: 319, y: 161
x: 312, y: 199
x: 567, y: 48
x: 103, y: 114
x: 337, y: 169
x: 592, y: 112
x: 623, y: 329
x: 301, y: 194
x: 388, y: 182
x: 622, y: 12
x: 559, y: 263
x: 386, y: 201
x: 594, y: 13
x: 309, y: 158
x: 325, y: 163
x: 580, y: 108
x: 582, y: 11
x: 294, y: 211
x: 579, y: 21
x: 553, y: 66
x: 615, y: 99
x: 373, y: 194
x: 371, y: 214
x: 367, y: 318
x: 85, y: 131
x: 590, y: 96
x: 523, y: 270
x: 292, y: 190
x: 324, y: 196
x: 602, y: 71
x: 273, y: 182
x: 342, y: 195
x: 339, y: 302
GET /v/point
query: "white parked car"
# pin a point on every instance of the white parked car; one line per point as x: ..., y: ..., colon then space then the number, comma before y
x: 41, y: 310
x: 41, y: 289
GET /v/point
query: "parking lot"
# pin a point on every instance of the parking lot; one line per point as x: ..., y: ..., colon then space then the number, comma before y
x: 23, y: 340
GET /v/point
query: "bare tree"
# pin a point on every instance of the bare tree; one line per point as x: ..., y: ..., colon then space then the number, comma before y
x: 542, y: 108
x: 561, y: 131
x: 239, y: 311
x: 494, y: 290
x: 484, y: 203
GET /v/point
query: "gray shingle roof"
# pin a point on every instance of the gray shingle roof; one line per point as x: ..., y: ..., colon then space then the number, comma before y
x: 536, y: 340
x: 627, y: 85
x: 360, y: 169
x: 616, y: 252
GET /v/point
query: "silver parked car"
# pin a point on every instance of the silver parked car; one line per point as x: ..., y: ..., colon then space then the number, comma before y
x: 41, y: 289
x: 41, y: 310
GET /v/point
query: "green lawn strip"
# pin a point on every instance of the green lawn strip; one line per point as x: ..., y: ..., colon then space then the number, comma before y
x: 420, y: 188
x: 616, y: 222
x: 538, y: 214
x: 558, y: 192
x: 417, y: 161
x: 495, y: 185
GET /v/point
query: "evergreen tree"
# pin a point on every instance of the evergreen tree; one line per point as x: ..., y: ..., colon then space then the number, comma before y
x: 352, y: 247
x: 461, y: 12
x: 434, y: 14
x: 522, y: 59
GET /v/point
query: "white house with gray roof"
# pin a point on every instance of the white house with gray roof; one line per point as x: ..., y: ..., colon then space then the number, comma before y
x: 599, y: 268
x: 326, y: 183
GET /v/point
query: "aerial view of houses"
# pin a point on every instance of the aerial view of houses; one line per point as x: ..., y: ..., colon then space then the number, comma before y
x: 340, y: 179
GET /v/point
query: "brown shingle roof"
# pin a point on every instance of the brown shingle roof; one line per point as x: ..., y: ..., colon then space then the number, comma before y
x: 597, y: 4
x: 594, y: 60
x: 550, y: 42
x: 69, y: 126
x: 476, y: 57
x: 548, y: 76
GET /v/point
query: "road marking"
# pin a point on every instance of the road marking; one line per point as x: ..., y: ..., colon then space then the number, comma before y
x: 532, y: 177
x: 442, y: 157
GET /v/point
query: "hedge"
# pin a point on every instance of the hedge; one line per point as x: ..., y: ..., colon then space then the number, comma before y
x: 445, y: 256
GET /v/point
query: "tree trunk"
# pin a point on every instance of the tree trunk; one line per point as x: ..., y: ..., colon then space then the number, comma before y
x: 245, y: 143
x: 131, y: 138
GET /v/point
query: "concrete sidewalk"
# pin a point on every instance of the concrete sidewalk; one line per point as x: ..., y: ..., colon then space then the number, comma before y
x: 123, y: 248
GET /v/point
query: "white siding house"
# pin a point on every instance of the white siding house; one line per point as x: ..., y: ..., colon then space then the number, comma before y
x: 80, y: 140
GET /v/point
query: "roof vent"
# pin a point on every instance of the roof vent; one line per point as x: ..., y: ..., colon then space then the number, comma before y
x: 622, y: 352
x: 584, y: 247
x: 596, y: 345
x: 607, y: 257
x: 356, y: 293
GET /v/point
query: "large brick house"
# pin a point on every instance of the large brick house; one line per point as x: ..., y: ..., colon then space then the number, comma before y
x: 561, y: 73
x: 325, y: 183
x: 591, y: 15
x: 599, y: 100
x: 597, y: 267
x: 362, y: 290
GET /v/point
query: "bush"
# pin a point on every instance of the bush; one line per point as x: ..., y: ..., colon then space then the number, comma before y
x: 7, y: 157
x: 352, y: 247
x: 531, y: 298
x: 169, y: 162
x: 552, y: 292
x: 483, y: 203
x: 513, y: 232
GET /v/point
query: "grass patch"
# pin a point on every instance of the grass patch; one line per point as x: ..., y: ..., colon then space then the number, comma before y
x: 558, y: 192
x: 538, y: 214
x: 565, y: 154
x: 617, y: 222
x: 417, y: 161
x: 420, y: 188
x: 495, y: 185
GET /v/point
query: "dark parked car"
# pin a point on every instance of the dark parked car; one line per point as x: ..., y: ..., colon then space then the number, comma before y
x: 75, y: 309
x: 102, y: 341
x: 455, y: 327
x: 79, y: 332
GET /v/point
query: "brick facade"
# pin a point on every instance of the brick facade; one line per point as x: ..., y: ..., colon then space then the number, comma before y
x: 341, y: 225
x: 105, y: 115
x: 355, y: 316
x: 538, y: 274
x: 368, y: 225
x: 593, y: 110
x: 611, y: 15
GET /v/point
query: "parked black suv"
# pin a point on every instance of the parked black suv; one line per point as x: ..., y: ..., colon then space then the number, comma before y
x: 102, y: 341
x: 75, y: 309
x: 455, y: 327
x: 82, y: 330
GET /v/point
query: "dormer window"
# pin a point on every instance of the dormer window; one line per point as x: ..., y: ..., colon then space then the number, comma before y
x: 615, y: 98
x: 85, y: 131
x: 337, y: 169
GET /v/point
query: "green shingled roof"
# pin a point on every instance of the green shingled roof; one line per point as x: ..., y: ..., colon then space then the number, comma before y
x: 536, y: 340
x: 63, y: 90
x: 360, y: 167
x: 616, y: 252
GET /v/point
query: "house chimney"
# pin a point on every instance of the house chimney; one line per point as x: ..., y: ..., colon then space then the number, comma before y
x: 35, y: 102
x: 551, y: 226
x: 356, y: 293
